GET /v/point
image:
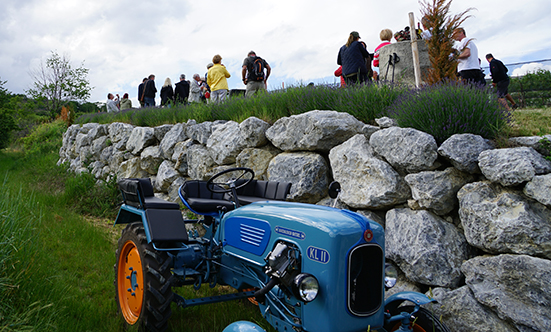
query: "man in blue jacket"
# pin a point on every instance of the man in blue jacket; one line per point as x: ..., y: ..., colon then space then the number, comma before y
x: 352, y: 58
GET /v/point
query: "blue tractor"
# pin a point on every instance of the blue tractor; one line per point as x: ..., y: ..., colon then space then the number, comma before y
x: 309, y: 267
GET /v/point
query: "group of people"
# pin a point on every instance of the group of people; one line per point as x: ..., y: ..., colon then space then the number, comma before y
x: 211, y: 88
x: 115, y: 103
x: 354, y: 61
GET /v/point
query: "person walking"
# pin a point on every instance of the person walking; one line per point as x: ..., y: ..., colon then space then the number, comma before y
x: 149, y: 91
x: 167, y: 93
x: 255, y: 72
x: 468, y: 65
x: 181, y: 90
x: 352, y: 57
x: 217, y: 80
x: 500, y: 80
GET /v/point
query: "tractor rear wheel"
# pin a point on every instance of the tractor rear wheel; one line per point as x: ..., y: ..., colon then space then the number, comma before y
x: 142, y: 281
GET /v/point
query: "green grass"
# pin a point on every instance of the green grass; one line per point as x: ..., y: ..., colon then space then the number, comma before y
x: 531, y: 122
x: 59, y: 277
x: 365, y: 102
x: 58, y: 242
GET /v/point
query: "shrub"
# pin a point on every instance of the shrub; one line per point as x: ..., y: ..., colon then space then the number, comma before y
x: 45, y: 138
x: 7, y: 125
x: 86, y: 195
x: 449, y: 108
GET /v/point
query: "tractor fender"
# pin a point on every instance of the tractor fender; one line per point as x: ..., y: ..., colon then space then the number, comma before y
x: 393, y: 301
x: 243, y: 326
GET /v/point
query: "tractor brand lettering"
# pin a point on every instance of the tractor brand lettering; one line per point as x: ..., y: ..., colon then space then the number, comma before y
x: 289, y: 232
x: 318, y: 255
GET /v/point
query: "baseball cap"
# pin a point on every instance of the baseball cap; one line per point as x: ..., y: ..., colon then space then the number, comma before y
x: 355, y: 34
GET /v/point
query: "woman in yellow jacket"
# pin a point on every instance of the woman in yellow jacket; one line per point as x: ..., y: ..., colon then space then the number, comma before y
x: 216, y: 79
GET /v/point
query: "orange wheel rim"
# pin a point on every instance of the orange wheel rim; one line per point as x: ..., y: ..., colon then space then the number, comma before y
x: 130, y: 282
x: 416, y: 328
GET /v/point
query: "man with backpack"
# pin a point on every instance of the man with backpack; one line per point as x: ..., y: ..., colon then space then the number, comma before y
x: 253, y: 73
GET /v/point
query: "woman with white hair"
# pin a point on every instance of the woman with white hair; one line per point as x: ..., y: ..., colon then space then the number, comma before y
x: 167, y: 93
x: 195, y: 89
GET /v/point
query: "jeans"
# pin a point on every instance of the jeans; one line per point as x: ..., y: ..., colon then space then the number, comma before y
x: 148, y: 101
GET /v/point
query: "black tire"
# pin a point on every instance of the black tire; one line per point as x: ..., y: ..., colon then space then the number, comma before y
x: 425, y: 321
x: 142, y: 281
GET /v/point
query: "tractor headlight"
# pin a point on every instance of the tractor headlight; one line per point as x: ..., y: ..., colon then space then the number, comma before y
x: 306, y: 287
x: 391, y: 275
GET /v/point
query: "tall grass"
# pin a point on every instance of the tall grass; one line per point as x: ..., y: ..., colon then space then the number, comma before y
x: 445, y: 109
x: 25, y: 304
x: 364, y: 102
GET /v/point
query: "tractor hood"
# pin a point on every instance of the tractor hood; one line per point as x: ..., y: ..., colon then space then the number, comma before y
x: 254, y: 228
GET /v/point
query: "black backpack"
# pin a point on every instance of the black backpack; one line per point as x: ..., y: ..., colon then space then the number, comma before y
x: 256, y: 69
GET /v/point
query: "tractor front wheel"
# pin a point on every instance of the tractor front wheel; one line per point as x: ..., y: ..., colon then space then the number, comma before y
x: 142, y: 281
x: 424, y: 321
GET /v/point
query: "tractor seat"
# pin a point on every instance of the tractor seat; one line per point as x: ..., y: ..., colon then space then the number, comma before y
x: 200, y: 200
x: 258, y: 190
x: 139, y: 194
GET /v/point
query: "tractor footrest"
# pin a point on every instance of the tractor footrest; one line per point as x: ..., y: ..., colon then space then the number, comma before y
x: 184, y: 303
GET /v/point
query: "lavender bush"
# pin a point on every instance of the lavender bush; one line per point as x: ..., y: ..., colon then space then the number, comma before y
x: 449, y: 108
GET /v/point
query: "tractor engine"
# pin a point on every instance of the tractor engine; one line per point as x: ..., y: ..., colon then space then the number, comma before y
x: 283, y: 264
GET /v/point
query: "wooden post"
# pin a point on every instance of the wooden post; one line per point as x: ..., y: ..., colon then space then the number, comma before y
x: 414, y: 50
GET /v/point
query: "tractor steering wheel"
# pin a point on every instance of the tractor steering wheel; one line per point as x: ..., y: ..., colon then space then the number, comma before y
x: 229, y: 184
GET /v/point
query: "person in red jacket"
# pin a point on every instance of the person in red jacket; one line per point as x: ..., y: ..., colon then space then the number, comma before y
x: 338, y: 73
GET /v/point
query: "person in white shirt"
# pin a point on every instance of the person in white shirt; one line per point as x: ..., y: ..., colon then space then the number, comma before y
x: 112, y: 103
x: 468, y: 64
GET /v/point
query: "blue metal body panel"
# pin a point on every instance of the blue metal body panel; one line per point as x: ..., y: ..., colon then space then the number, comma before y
x: 323, y: 235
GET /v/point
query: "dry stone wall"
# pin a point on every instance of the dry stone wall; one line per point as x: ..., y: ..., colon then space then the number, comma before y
x: 465, y: 222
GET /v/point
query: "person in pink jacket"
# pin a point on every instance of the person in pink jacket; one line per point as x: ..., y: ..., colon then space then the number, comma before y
x: 386, y: 36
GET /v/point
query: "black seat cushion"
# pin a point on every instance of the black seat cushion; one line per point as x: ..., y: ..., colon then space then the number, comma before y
x: 202, y: 200
x: 166, y: 225
x: 139, y: 193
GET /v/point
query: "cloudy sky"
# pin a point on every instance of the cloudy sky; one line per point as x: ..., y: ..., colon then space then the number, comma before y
x: 122, y: 41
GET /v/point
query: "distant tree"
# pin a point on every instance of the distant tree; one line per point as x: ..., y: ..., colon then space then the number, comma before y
x: 436, y: 13
x: 57, y: 82
x: 7, y: 120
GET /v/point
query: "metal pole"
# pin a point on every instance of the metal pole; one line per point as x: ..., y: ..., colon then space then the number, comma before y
x: 414, y: 50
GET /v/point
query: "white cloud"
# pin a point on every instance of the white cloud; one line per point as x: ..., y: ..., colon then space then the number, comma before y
x: 123, y: 41
x: 530, y: 68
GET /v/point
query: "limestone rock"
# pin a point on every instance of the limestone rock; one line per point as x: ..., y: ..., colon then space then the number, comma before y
x: 461, y: 311
x: 406, y: 149
x: 176, y: 134
x: 225, y: 143
x: 151, y: 159
x: 140, y: 138
x: 367, y: 182
x: 307, y: 171
x: 501, y: 220
x: 313, y: 131
x: 414, y: 241
x: 253, y: 131
x: 511, y: 167
x: 199, y: 162
x: 257, y: 159
x: 119, y: 131
x: 200, y: 132
x: 539, y: 188
x: 436, y: 190
x: 516, y: 286
x: 462, y: 150
x: 165, y: 176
